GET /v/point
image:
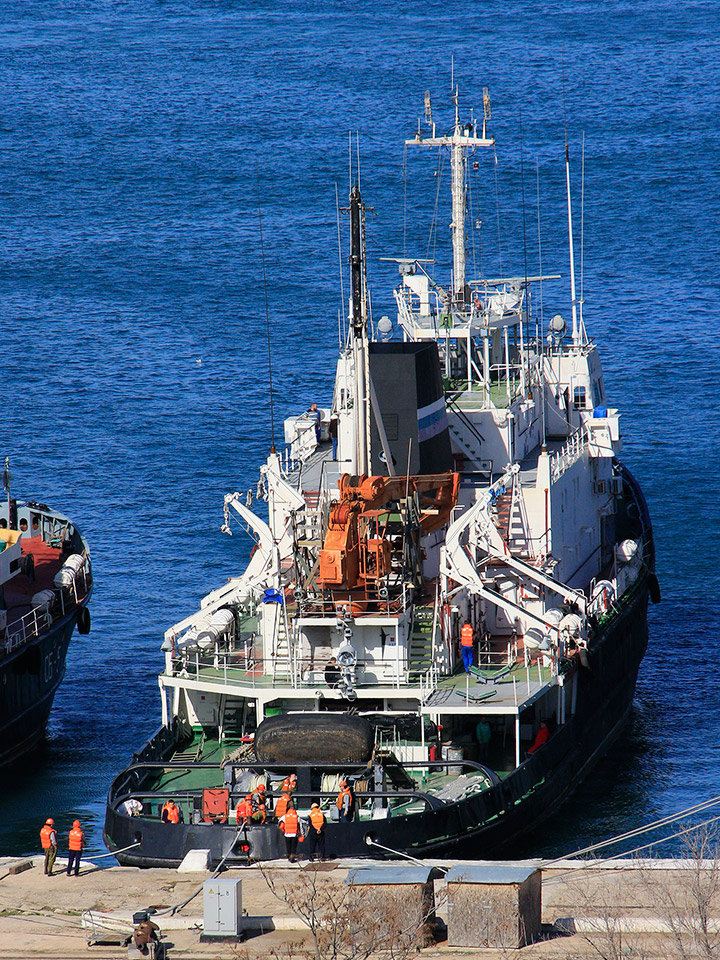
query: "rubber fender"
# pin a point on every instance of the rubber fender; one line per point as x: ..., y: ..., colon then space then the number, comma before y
x: 314, y: 738
x: 83, y: 621
x: 654, y: 588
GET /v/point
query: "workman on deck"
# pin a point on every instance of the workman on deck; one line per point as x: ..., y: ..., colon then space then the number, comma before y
x: 543, y: 735
x: 258, y: 802
x: 282, y: 804
x: 345, y: 802
x: 333, y: 673
x: 170, y: 812
x: 289, y: 824
x: 289, y: 783
x: 244, y: 809
x: 76, y: 842
x: 314, y: 414
x: 316, y: 833
x: 48, y: 839
x: 467, y: 641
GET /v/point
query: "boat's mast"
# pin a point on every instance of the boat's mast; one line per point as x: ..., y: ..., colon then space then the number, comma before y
x: 463, y: 137
x: 457, y: 167
x: 359, y: 328
x: 575, y: 331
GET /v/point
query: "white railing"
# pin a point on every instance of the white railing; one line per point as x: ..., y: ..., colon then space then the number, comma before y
x: 568, y: 454
x: 39, y: 619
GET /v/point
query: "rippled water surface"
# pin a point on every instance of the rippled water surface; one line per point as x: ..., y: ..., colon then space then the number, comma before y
x: 134, y: 140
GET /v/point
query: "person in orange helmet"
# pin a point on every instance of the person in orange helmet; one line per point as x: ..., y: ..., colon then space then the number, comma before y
x: 48, y: 839
x: 76, y: 842
x: 282, y: 804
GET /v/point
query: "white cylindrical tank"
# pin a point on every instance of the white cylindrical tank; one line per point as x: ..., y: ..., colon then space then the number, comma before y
x: 625, y: 551
x: 42, y: 599
x: 214, y: 627
x: 571, y: 625
x: 603, y: 596
x: 554, y: 616
x: 65, y: 577
x: 534, y: 639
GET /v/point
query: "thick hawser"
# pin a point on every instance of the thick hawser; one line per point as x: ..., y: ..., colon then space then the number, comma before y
x: 476, y: 479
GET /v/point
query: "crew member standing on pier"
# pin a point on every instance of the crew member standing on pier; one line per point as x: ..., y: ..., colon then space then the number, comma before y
x: 467, y: 640
x: 48, y: 839
x: 76, y: 841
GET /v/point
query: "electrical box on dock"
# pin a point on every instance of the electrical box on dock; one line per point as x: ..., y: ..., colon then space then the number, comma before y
x: 222, y: 907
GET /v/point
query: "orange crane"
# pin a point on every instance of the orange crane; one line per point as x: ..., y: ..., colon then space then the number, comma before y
x: 357, y: 551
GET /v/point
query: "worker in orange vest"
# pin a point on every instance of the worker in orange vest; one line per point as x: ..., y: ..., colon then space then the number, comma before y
x: 48, y: 839
x: 244, y: 809
x: 345, y: 802
x: 289, y: 783
x: 282, y: 804
x: 170, y: 812
x: 316, y: 833
x: 467, y: 640
x: 259, y: 804
x: 290, y: 826
x: 76, y: 842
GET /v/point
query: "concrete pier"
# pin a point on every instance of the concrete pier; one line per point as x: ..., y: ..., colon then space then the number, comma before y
x: 639, y: 902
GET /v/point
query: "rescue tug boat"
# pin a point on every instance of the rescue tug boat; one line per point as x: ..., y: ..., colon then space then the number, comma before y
x: 45, y: 586
x: 475, y: 496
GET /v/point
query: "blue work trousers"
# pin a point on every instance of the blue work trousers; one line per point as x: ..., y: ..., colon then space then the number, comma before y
x: 467, y: 653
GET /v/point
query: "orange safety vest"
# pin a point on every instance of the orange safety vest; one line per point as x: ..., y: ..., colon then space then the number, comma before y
x: 467, y: 636
x: 46, y: 835
x: 244, y: 810
x: 290, y: 825
x: 317, y: 819
x: 75, y: 839
x: 287, y: 786
x: 173, y: 814
x: 281, y: 805
x: 345, y: 791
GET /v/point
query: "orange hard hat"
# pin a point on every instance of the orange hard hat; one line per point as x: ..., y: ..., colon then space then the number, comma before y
x: 76, y: 823
x: 50, y: 822
x: 261, y: 786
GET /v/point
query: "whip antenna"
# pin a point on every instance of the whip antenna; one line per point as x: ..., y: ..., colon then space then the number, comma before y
x: 267, y: 317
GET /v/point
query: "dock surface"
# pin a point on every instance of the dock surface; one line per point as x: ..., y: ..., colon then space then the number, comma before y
x: 41, y: 916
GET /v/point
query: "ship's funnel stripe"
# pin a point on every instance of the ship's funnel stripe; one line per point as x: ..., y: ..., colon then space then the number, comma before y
x: 432, y: 420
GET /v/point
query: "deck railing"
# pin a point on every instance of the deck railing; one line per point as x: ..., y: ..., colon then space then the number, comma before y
x: 40, y: 619
x: 243, y: 667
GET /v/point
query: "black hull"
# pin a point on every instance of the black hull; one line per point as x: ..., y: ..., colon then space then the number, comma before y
x: 478, y: 826
x: 29, y: 679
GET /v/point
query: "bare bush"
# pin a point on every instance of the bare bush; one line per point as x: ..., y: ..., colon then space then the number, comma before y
x: 689, y: 901
x: 351, y: 922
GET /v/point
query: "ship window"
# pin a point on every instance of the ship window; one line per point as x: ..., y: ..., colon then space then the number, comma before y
x: 579, y: 398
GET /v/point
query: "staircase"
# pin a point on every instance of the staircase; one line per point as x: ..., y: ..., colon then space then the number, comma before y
x: 394, y: 770
x: 280, y: 665
x: 421, y: 653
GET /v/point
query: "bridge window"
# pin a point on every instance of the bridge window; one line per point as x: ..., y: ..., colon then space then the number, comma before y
x: 579, y: 398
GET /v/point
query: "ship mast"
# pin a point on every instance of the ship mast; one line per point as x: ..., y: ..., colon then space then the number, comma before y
x: 464, y: 136
x: 359, y: 329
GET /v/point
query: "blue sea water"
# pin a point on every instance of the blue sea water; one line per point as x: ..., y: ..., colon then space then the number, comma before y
x: 135, y: 140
